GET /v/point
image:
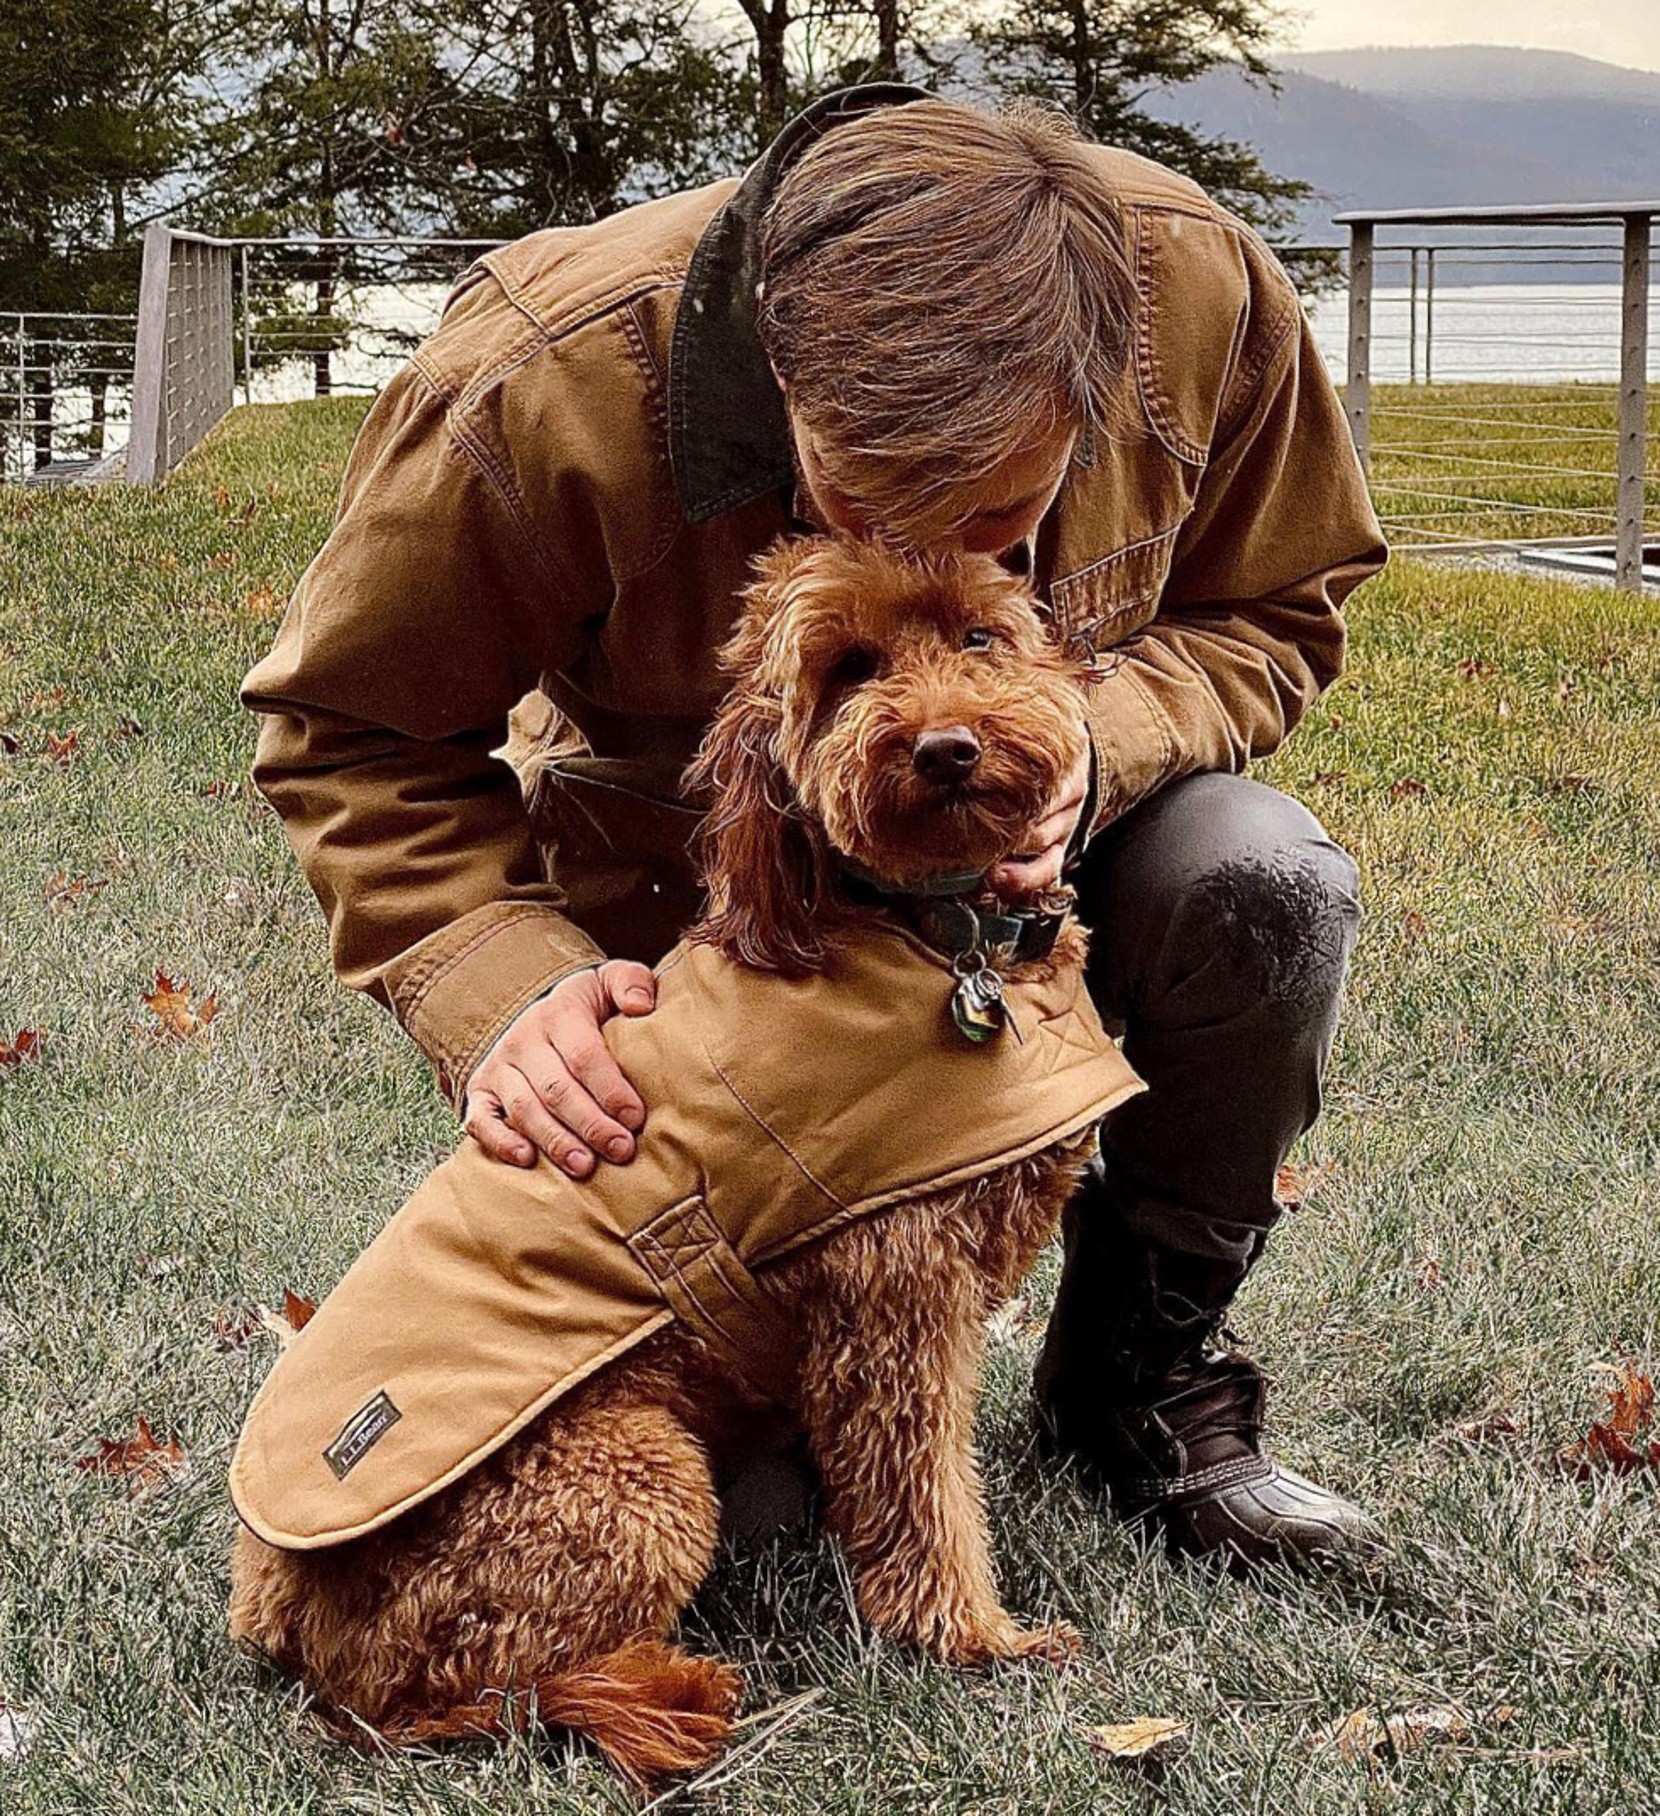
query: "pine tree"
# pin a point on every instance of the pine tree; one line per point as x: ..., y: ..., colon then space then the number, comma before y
x: 92, y: 118
x: 1102, y: 59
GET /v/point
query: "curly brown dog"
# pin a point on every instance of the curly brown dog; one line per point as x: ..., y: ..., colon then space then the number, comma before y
x: 555, y: 1569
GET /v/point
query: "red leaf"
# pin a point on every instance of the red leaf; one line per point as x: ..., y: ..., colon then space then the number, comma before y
x: 26, y: 1046
x: 144, y: 1462
x: 299, y: 1312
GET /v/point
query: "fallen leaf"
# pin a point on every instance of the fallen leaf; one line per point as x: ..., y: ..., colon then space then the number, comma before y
x: 1630, y: 1399
x: 61, y: 751
x: 299, y: 1312
x: 236, y: 1326
x: 221, y: 498
x: 218, y: 790
x: 294, y: 1315
x: 128, y: 727
x: 144, y: 1463
x: 19, y: 1730
x: 263, y: 602
x: 1536, y: 829
x: 1329, y: 778
x: 62, y: 891
x: 24, y: 1046
x: 1429, y: 1274
x: 1295, y: 1185
x: 1136, y: 1740
x: 1574, y: 784
x: 1489, y: 1429
x: 172, y: 1007
x: 1365, y: 1737
x: 1616, y: 1445
x: 1413, y: 924
x: 1565, y: 688
x: 1475, y: 668
x: 1407, y: 787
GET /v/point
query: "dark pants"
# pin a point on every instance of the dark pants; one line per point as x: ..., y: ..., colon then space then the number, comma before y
x: 1222, y: 922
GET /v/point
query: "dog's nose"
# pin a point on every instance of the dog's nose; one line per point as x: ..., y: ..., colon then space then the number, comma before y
x: 946, y: 753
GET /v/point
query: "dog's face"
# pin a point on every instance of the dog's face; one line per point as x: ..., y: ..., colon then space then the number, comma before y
x: 912, y: 715
x: 926, y: 721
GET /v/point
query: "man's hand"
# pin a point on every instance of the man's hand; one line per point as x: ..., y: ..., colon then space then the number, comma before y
x: 1037, y: 866
x: 550, y: 1085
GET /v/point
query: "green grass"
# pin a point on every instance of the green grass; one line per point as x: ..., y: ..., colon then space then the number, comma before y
x: 1493, y: 462
x: 1491, y: 1232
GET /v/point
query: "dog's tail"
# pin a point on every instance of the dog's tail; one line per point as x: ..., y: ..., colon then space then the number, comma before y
x: 650, y: 1708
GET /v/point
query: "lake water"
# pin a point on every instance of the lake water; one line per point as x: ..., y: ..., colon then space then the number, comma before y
x: 1492, y: 333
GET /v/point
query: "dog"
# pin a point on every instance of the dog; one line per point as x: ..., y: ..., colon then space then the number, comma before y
x: 889, y: 722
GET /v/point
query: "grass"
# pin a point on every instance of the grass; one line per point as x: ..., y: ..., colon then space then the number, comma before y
x: 1489, y: 1234
x: 1494, y: 462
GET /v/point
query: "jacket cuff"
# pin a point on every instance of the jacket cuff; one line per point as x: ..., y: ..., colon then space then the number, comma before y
x: 492, y: 964
x: 1132, y: 747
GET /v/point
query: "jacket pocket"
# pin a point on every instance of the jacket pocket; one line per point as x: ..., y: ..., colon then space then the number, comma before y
x: 622, y: 848
x: 1112, y: 598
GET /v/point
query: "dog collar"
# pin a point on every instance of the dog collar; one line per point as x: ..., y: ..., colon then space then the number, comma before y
x: 975, y: 938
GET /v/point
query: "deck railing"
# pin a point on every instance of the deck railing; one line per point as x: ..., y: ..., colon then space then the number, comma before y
x: 1535, y: 467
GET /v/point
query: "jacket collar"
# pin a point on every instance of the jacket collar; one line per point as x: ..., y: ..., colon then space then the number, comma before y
x: 729, y: 438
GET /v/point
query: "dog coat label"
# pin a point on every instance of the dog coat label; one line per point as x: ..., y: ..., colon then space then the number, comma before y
x: 361, y: 1432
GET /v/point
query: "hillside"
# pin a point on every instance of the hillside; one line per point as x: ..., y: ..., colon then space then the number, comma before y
x: 1427, y: 128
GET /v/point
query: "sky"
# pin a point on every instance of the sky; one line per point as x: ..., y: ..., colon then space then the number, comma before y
x: 1614, y: 31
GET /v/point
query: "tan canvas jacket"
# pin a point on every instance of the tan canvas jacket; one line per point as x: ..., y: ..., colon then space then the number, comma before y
x: 780, y: 1108
x: 562, y: 492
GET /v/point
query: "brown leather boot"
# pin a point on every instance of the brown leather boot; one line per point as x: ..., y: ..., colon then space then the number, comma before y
x: 1130, y: 1387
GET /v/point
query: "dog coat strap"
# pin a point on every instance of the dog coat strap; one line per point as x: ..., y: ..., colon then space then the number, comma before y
x: 714, y: 1294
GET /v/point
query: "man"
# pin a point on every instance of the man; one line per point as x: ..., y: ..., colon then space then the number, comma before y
x: 915, y: 320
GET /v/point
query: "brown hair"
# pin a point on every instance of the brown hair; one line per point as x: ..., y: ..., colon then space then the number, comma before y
x: 940, y: 287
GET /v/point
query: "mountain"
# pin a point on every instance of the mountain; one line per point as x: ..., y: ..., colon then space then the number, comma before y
x: 1436, y: 127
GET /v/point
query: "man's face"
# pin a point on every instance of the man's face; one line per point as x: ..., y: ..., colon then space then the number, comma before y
x: 1003, y: 509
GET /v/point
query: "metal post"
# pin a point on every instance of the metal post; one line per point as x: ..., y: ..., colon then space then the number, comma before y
x: 147, y: 439
x: 1412, y: 325
x: 247, y: 333
x: 1429, y: 313
x: 1633, y: 423
x: 1357, y: 393
x: 22, y: 393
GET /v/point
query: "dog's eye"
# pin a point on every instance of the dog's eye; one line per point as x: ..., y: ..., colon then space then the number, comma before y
x: 854, y: 666
x: 980, y: 636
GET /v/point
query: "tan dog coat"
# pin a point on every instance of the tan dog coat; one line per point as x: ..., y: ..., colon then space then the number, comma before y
x: 777, y: 1109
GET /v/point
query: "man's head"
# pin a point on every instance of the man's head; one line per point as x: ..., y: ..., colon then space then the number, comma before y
x: 946, y: 300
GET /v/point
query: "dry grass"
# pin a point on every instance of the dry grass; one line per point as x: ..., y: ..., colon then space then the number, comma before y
x: 1490, y: 1233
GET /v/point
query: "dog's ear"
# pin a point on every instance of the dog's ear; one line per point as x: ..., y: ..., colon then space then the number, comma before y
x: 767, y: 868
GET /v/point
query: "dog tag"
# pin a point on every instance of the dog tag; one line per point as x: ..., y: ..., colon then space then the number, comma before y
x: 977, y: 1004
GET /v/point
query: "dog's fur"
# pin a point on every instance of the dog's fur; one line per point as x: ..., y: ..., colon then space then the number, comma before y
x: 557, y: 1568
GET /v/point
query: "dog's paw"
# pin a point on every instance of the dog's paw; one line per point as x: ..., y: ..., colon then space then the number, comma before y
x: 1054, y: 1644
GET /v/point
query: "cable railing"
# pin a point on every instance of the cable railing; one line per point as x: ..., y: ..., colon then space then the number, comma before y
x: 1498, y: 387
x: 66, y: 382
x: 339, y: 315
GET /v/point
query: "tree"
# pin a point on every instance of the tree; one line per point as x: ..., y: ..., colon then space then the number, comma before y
x: 324, y: 118
x: 1102, y: 59
x: 91, y: 119
x: 565, y: 110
